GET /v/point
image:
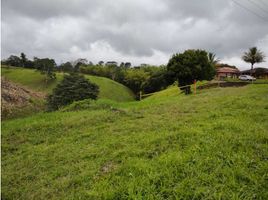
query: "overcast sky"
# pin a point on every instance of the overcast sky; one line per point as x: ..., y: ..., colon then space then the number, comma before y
x: 138, y: 31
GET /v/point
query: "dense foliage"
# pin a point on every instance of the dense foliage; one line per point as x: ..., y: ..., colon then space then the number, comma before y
x: 190, y: 66
x: 46, y: 66
x: 17, y: 61
x: 73, y: 87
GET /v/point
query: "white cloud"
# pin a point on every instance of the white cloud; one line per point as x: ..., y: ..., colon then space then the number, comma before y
x: 134, y: 30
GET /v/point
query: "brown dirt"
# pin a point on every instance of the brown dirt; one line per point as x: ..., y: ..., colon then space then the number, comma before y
x: 14, y: 97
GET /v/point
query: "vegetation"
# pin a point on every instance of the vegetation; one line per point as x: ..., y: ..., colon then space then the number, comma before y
x: 220, y: 65
x: 253, y: 56
x: 46, y: 66
x: 16, y: 61
x: 212, y: 59
x: 147, y: 79
x: 169, y: 146
x: 73, y: 87
x: 190, y: 66
x: 35, y: 81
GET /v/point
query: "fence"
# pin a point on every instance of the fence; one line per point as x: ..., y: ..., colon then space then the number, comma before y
x: 149, y: 94
x: 208, y: 85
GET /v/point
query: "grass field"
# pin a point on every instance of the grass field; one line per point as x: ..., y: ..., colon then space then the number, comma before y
x: 32, y: 79
x: 213, y: 145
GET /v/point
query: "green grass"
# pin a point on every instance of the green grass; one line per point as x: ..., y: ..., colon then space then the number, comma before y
x: 32, y: 79
x: 213, y: 145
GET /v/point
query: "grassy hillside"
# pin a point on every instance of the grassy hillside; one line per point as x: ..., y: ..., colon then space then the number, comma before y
x: 32, y: 79
x: 209, y: 146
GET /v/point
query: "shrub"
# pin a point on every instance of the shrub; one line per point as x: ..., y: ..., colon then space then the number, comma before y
x: 89, y: 104
x: 73, y: 87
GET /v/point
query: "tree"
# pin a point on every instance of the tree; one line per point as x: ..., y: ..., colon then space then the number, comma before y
x: 127, y: 65
x: 252, y: 56
x: 189, y: 66
x: 101, y: 63
x: 221, y: 65
x: 212, y: 59
x: 13, y: 61
x: 23, y: 59
x: 79, y: 62
x: 73, y: 87
x: 135, y: 79
x: 122, y: 65
x: 66, y: 67
x: 46, y: 66
x: 159, y: 79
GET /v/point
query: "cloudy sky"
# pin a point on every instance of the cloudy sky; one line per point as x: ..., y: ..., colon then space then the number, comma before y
x: 138, y: 31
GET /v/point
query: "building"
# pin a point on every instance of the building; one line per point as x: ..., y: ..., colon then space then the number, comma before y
x: 111, y: 63
x: 227, y: 72
x: 257, y: 72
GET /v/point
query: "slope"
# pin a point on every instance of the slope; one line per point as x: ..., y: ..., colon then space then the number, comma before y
x: 209, y: 146
x: 32, y: 79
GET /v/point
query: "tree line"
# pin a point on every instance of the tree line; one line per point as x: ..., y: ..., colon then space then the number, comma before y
x: 145, y: 78
x: 185, y: 68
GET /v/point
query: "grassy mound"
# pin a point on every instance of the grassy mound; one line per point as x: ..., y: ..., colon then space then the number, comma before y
x: 209, y: 146
x: 32, y: 79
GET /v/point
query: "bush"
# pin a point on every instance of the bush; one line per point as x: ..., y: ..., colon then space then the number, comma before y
x: 73, y: 87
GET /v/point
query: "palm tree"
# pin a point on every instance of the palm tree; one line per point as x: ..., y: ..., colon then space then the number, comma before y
x: 253, y: 56
x: 212, y: 59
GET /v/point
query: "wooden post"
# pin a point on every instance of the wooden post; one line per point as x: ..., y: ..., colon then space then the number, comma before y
x: 194, y: 86
x: 140, y: 95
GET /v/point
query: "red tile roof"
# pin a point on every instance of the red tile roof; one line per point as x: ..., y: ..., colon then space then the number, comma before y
x: 227, y: 70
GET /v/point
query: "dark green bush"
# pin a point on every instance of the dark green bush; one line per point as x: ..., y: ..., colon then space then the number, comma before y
x: 73, y: 87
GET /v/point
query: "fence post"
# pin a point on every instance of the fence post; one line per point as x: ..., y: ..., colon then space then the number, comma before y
x: 194, y: 86
x: 140, y: 95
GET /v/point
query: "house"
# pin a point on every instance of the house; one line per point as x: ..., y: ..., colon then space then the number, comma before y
x: 257, y: 72
x: 227, y: 72
x: 111, y: 63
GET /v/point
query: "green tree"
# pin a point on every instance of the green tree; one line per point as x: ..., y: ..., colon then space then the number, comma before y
x: 189, y: 66
x: 252, y: 56
x: 46, y: 66
x: 135, y: 79
x: 13, y: 61
x: 23, y: 59
x: 212, y: 59
x: 66, y: 67
x: 73, y: 87
x: 159, y: 79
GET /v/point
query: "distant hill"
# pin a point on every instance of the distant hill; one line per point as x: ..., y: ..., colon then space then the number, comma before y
x: 33, y: 80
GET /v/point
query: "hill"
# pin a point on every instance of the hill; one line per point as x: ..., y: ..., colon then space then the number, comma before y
x: 212, y: 145
x: 32, y: 79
